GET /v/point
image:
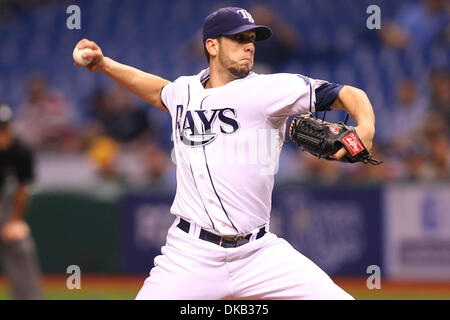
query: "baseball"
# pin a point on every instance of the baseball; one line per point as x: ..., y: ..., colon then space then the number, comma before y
x: 77, y: 56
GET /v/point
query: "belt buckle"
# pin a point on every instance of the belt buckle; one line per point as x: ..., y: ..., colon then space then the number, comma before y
x: 235, y: 239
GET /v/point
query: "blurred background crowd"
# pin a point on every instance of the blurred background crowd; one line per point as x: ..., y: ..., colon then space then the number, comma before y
x: 85, y: 128
x: 90, y: 135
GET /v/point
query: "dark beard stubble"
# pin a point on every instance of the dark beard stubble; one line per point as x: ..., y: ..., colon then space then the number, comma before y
x: 235, y: 69
x: 239, y: 72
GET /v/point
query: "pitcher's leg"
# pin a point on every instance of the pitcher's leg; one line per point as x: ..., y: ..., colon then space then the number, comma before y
x: 278, y: 271
x: 187, y: 269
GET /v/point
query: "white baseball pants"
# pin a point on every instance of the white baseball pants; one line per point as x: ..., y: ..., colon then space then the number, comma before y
x: 267, y: 268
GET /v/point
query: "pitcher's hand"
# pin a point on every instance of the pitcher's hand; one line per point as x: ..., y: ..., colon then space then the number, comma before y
x: 98, y: 60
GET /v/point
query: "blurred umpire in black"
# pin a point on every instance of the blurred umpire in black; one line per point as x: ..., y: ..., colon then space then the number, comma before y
x: 17, y: 248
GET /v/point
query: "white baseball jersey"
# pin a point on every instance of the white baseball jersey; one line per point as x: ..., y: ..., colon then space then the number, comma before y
x: 227, y: 143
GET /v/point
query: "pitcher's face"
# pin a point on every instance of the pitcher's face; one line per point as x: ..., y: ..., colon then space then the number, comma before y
x: 236, y: 53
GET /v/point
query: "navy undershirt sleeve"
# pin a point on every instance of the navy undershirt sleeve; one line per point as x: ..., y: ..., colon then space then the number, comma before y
x: 326, y: 94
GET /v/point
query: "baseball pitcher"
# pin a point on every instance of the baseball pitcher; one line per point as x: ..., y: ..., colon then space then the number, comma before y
x: 228, y: 128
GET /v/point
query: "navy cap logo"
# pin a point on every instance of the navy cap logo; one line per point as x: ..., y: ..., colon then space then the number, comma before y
x: 246, y: 15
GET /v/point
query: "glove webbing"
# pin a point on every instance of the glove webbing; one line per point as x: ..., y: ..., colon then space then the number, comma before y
x: 309, y: 141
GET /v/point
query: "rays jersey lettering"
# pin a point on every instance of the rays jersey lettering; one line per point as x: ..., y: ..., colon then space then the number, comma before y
x: 195, y: 128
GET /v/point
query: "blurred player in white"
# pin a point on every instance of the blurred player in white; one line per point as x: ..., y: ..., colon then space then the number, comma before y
x: 220, y: 246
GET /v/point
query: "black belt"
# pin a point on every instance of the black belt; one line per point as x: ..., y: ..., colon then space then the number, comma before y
x: 223, y: 241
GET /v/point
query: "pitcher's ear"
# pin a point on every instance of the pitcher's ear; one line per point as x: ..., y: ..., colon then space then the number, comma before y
x: 212, y: 47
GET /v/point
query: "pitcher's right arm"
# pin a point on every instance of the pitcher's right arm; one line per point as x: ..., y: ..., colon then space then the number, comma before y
x: 144, y: 85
